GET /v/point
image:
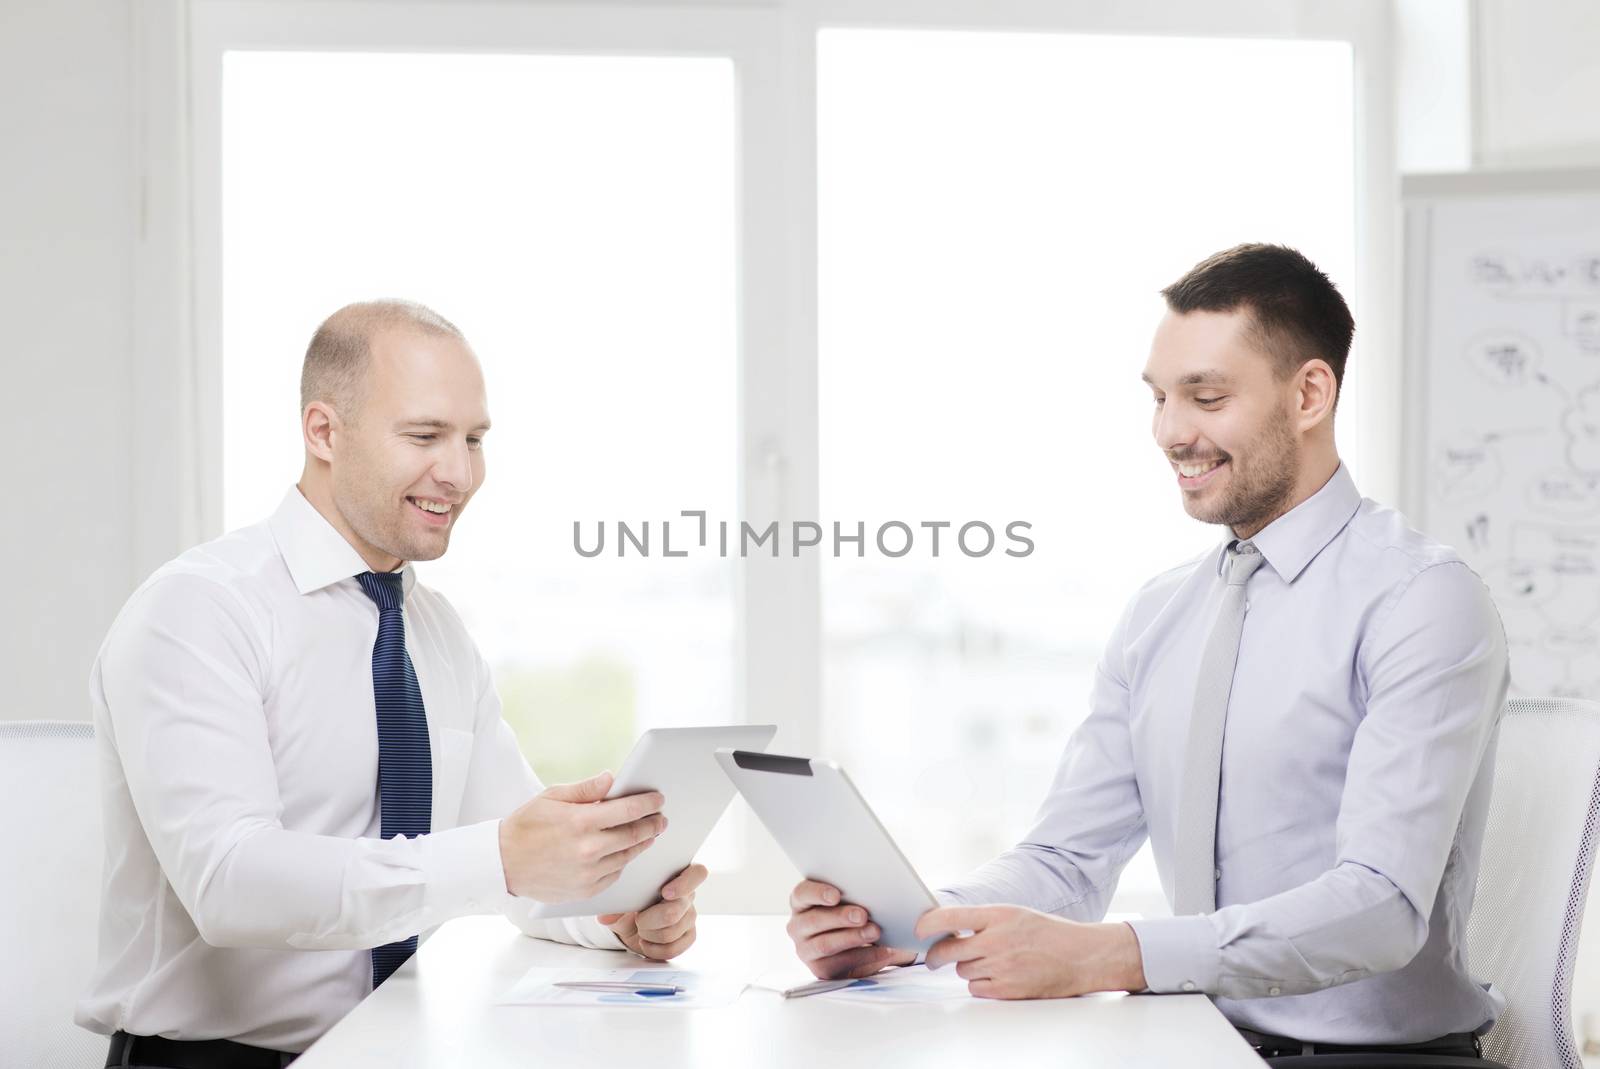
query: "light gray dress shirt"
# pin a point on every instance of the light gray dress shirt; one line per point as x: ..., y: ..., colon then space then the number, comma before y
x: 1356, y: 770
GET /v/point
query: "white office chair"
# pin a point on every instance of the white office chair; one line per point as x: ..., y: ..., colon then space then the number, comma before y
x: 1538, y: 852
x: 50, y: 838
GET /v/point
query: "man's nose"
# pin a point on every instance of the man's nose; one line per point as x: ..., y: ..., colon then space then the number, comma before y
x: 454, y: 467
x: 1172, y: 430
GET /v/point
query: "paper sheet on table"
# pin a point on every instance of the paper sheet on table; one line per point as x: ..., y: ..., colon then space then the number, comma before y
x: 913, y: 983
x: 537, y: 988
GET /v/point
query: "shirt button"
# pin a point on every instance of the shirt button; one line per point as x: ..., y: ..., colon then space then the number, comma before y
x: 1274, y: 990
x: 1188, y: 985
x: 1216, y: 874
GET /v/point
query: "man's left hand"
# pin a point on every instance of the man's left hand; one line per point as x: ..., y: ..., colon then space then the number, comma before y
x: 666, y: 929
x: 1015, y: 952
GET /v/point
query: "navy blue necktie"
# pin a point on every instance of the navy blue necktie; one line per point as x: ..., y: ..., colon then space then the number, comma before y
x: 405, y: 760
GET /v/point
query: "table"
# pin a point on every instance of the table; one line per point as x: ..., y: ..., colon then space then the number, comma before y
x: 438, y: 1010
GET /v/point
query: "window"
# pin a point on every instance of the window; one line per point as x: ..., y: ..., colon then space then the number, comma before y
x: 574, y: 215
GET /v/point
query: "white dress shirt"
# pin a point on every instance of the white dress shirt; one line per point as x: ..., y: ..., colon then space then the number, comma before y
x: 1356, y: 770
x: 245, y: 880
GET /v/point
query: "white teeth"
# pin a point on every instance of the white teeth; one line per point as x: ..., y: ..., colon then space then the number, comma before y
x: 429, y: 506
x: 1189, y: 471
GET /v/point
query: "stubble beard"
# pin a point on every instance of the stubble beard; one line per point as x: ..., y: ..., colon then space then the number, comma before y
x: 1258, y: 487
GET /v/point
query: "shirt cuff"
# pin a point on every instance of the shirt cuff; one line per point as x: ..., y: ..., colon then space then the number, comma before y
x: 589, y: 932
x: 464, y: 871
x: 1180, y: 954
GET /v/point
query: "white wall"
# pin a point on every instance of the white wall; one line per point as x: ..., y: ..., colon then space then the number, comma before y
x: 1433, y: 85
x: 1538, y: 83
x: 69, y: 198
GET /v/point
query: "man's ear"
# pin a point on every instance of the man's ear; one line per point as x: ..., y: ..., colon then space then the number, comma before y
x: 1316, y: 395
x: 318, y: 424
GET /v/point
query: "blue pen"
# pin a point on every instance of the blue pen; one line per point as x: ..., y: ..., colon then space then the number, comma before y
x: 623, y: 986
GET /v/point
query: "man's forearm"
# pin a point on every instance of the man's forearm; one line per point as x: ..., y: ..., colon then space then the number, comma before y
x: 1347, y: 924
x: 282, y: 889
x: 1044, y: 878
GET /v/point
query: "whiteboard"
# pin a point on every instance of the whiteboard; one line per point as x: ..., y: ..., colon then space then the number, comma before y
x: 1502, y: 441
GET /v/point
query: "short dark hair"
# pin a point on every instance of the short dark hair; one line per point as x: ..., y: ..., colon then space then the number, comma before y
x: 1297, y: 314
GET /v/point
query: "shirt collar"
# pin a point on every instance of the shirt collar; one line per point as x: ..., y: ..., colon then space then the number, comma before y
x: 1291, y: 541
x: 316, y: 554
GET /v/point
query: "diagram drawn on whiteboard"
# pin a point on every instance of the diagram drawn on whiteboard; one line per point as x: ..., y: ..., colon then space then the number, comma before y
x: 1511, y: 476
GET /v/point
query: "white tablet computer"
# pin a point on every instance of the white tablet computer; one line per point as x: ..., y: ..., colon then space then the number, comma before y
x: 681, y: 763
x: 831, y: 834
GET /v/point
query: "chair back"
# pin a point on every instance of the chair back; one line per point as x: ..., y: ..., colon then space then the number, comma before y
x: 1538, y: 852
x: 51, y: 840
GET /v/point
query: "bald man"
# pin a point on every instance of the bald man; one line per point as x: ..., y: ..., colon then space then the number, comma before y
x: 303, y: 761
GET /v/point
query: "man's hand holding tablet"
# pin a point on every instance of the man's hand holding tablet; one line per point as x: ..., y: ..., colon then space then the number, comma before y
x: 571, y: 842
x: 837, y: 939
x: 568, y: 842
x: 827, y: 829
x: 572, y: 850
x: 1014, y: 952
x: 666, y: 929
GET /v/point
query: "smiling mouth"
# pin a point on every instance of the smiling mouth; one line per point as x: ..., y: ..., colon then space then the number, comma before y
x: 1194, y: 471
x: 1193, y: 476
x: 435, y: 512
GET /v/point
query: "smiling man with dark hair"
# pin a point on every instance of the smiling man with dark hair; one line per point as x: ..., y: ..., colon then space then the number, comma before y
x: 1296, y: 313
x: 1301, y: 721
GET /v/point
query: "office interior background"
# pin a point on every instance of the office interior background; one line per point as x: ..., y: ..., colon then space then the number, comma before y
x: 832, y: 260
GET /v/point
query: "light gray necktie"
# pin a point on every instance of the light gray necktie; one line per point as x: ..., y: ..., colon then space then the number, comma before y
x: 1195, y: 878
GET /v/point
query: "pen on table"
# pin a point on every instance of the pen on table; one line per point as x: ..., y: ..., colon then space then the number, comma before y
x: 619, y: 985
x: 815, y: 988
x: 818, y: 987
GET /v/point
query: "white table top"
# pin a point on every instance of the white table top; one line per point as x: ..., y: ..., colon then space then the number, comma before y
x: 438, y: 1010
